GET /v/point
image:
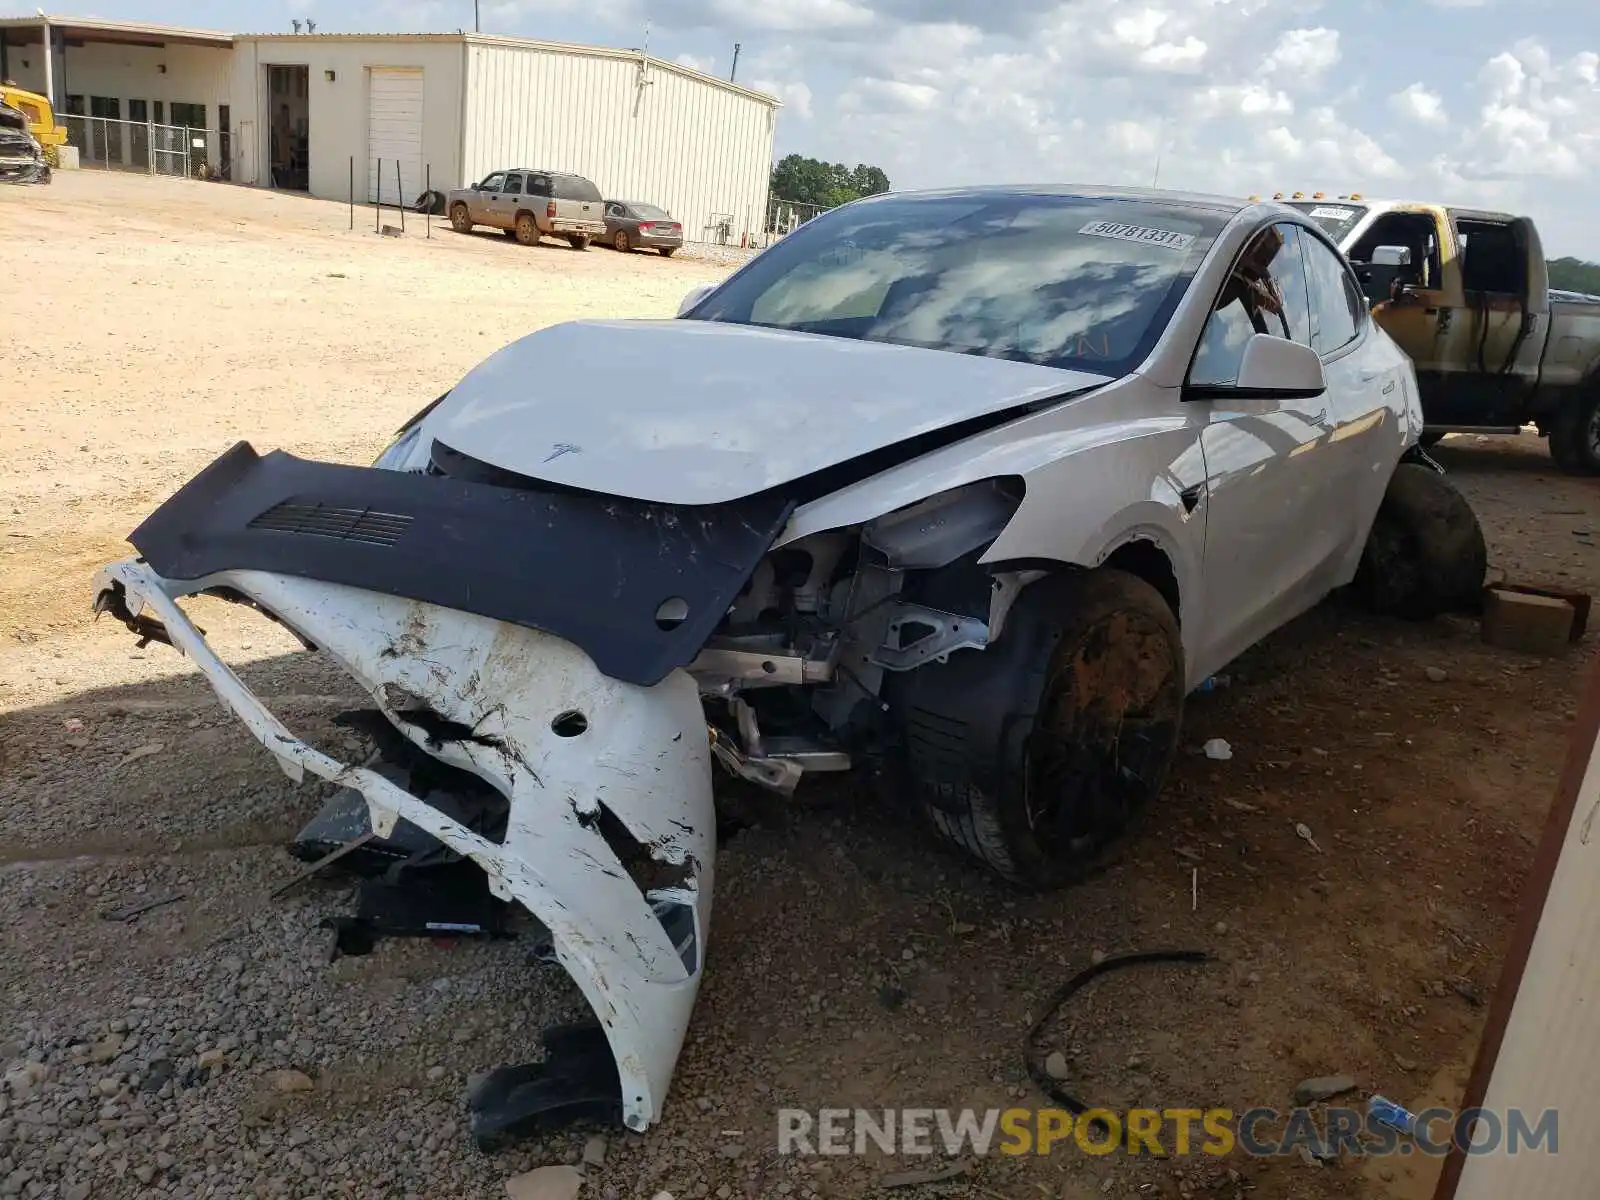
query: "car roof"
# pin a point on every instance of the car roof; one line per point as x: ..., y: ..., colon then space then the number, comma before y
x: 1222, y: 205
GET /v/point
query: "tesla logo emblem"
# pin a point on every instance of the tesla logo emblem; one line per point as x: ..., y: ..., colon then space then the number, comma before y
x: 561, y: 448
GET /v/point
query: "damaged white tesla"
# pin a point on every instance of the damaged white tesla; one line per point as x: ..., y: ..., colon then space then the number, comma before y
x: 976, y: 485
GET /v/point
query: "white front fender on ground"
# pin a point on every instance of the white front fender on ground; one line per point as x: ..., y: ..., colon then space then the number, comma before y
x: 576, y: 753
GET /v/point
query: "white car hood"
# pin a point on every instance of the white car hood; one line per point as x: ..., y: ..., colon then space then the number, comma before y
x: 698, y: 412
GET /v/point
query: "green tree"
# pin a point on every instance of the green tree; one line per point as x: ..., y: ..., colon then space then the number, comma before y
x: 1575, y: 275
x: 827, y: 185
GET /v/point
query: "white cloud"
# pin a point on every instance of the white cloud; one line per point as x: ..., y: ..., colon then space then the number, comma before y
x: 1303, y: 55
x: 793, y: 15
x: 795, y: 95
x: 1417, y: 103
x: 705, y: 65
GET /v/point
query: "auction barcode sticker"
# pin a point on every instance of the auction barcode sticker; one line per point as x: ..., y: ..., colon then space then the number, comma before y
x: 1329, y: 213
x: 1143, y: 234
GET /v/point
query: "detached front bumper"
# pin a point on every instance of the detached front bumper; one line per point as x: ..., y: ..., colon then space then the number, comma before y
x: 601, y: 775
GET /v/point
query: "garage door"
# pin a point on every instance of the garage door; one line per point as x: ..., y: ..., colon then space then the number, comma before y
x: 394, y: 134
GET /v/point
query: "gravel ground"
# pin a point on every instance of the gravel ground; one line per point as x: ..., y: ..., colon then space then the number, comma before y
x: 209, y: 1049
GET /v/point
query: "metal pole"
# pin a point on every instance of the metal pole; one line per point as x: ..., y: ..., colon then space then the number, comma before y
x: 400, y: 193
x: 476, y: 28
x: 150, y: 142
x: 352, y: 192
x: 377, y: 204
x: 50, y: 64
x: 427, y: 197
x: 735, y: 70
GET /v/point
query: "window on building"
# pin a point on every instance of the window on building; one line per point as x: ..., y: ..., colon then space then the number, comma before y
x: 192, y: 115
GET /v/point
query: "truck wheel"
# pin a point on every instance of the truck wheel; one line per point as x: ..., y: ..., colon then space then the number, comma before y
x: 1425, y: 553
x: 460, y: 219
x: 1575, y: 436
x: 1039, y: 755
x: 527, y: 229
x: 578, y: 241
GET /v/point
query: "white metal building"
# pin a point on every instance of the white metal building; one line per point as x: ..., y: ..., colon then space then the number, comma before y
x: 381, y: 116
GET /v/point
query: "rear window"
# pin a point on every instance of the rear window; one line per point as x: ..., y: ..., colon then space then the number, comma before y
x: 575, y: 187
x: 650, y: 212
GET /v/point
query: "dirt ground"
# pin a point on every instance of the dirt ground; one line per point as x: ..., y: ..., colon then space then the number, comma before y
x: 151, y: 324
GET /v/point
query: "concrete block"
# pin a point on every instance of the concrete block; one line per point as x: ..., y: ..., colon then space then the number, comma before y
x: 1527, y: 621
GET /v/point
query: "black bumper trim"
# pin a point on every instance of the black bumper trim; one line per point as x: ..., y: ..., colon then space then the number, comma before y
x: 590, y: 569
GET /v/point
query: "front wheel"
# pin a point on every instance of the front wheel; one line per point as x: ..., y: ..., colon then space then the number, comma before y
x: 1575, y: 436
x: 1040, y: 755
x: 1425, y: 554
x: 460, y: 218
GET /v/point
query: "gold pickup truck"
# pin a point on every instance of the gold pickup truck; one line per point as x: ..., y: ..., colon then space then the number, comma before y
x: 1466, y: 293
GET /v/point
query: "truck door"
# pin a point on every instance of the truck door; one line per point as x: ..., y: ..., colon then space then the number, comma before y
x: 1506, y: 311
x: 1406, y: 262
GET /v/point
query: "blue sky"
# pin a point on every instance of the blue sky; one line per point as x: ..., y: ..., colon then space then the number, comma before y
x: 1488, y: 102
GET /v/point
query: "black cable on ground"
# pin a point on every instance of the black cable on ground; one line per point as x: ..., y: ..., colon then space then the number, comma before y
x: 1062, y: 994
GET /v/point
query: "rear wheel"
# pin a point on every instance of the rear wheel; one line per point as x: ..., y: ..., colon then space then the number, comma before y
x: 578, y: 241
x: 1040, y: 755
x: 1425, y: 554
x: 621, y: 241
x: 667, y: 251
x: 1575, y: 436
x: 460, y: 218
x: 527, y: 229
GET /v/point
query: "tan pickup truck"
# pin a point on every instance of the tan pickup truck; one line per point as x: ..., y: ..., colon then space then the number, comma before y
x: 1466, y: 294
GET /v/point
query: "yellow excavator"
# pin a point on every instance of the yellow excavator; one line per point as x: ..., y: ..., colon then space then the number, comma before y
x: 41, y: 120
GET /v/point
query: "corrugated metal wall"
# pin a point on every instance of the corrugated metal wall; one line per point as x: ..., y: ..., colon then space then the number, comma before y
x: 700, y: 151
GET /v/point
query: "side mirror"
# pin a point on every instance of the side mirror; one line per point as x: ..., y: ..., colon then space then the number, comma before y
x: 1392, y: 256
x: 696, y: 294
x: 1271, y: 368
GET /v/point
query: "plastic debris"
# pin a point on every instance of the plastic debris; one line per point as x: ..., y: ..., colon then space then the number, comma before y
x: 1218, y: 750
x: 1303, y: 832
x: 1395, y: 1116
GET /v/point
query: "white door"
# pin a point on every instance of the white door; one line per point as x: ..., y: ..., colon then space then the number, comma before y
x: 1275, y: 523
x: 394, y: 134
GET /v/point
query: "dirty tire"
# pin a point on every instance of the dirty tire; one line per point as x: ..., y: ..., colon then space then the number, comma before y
x: 527, y: 229
x: 578, y: 241
x: 460, y: 219
x: 1428, y: 440
x: 1040, y: 755
x: 1575, y: 436
x: 667, y: 251
x: 621, y: 242
x: 1425, y: 555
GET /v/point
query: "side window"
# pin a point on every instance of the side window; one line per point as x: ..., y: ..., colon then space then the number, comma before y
x: 514, y: 184
x: 493, y: 183
x: 1266, y: 292
x: 1491, y: 260
x: 615, y: 210
x: 538, y: 185
x: 1335, y: 315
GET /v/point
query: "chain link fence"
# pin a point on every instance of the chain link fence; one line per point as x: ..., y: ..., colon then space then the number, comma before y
x: 147, y: 147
